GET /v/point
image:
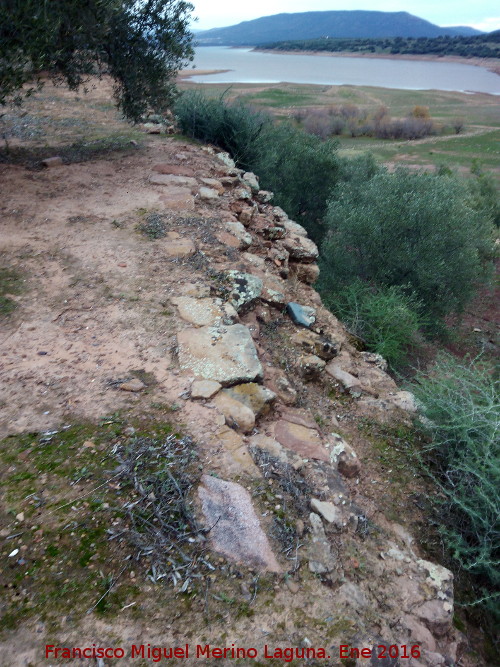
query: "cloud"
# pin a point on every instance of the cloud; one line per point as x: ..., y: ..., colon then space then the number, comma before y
x: 488, y: 25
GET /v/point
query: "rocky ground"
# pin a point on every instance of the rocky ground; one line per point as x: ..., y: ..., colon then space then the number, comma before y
x: 162, y: 283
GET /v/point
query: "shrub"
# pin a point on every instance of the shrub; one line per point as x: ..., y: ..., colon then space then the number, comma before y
x: 386, y: 319
x: 418, y: 231
x: 460, y: 403
x: 233, y: 127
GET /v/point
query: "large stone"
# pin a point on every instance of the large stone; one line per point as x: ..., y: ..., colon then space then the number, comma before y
x: 293, y: 228
x: 237, y: 415
x: 305, y: 441
x: 436, y: 615
x: 330, y: 512
x: 208, y: 194
x: 238, y: 230
x: 225, y: 354
x: 178, y: 170
x: 348, y: 381
x: 214, y: 184
x: 311, y: 366
x: 205, y: 312
x: 245, y: 289
x: 234, y: 459
x: 250, y: 179
x: 226, y: 159
x: 301, y: 248
x: 235, y: 530
x: 253, y: 395
x: 319, y: 552
x: 173, y: 180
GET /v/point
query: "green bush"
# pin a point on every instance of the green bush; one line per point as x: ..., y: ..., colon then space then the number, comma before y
x: 418, y: 231
x: 386, y: 319
x: 232, y: 127
x: 460, y: 404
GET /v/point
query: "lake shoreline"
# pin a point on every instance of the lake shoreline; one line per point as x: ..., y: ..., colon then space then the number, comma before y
x: 491, y: 64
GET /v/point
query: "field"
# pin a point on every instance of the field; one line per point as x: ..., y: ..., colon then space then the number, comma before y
x: 479, y: 139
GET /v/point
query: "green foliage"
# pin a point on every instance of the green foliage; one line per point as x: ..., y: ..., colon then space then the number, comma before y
x: 418, y: 231
x: 301, y: 170
x: 460, y: 404
x: 234, y: 127
x: 386, y: 319
x: 479, y: 46
x: 141, y: 45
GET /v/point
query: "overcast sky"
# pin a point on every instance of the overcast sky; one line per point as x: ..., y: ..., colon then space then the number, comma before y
x: 481, y: 14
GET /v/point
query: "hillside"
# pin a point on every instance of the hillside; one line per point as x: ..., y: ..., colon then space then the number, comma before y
x: 310, y: 25
x: 183, y: 463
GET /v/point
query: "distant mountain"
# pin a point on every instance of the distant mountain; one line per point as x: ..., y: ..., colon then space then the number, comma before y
x: 309, y: 25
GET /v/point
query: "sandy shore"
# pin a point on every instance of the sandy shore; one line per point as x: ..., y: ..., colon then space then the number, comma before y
x: 491, y: 64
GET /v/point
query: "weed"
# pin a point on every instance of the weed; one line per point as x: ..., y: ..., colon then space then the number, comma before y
x: 153, y: 227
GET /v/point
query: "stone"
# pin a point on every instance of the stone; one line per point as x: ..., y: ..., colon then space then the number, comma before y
x: 273, y: 233
x: 226, y: 159
x: 419, y: 634
x: 253, y: 395
x: 208, y: 194
x: 214, y: 184
x: 235, y: 457
x: 319, y: 552
x: 173, y: 180
x: 204, y: 388
x: 228, y: 239
x: 133, y: 385
x: 311, y: 366
x: 328, y: 511
x: 178, y: 199
x: 238, y: 230
x: 286, y: 393
x: 242, y: 193
x: 300, y: 439
x: 436, y: 615
x: 224, y: 354
x: 292, y: 586
x: 250, y: 179
x: 343, y: 456
x: 50, y: 162
x: 254, y: 260
x: 269, y: 445
x: 245, y: 216
x: 205, y: 311
x: 306, y: 273
x: 273, y: 291
x: 302, y: 315
x: 246, y: 289
x: 177, y: 170
x: 237, y: 415
x: 313, y: 343
x: 348, y: 381
x: 293, y: 228
x: 375, y: 359
x: 181, y: 248
x: 404, y: 400
x: 235, y: 531
x: 264, y: 196
x: 301, y: 248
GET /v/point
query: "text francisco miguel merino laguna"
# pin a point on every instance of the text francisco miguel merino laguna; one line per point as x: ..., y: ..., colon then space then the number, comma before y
x: 199, y: 651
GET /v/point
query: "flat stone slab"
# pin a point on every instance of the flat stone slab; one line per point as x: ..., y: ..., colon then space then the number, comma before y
x: 173, y: 179
x: 178, y: 170
x: 204, y: 312
x: 304, y: 441
x: 180, y: 248
x: 204, y: 388
x: 301, y: 248
x: 235, y: 530
x: 246, y: 289
x: 177, y: 199
x: 225, y: 354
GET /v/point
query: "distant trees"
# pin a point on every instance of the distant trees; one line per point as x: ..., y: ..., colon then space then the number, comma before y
x: 141, y: 45
x: 478, y: 46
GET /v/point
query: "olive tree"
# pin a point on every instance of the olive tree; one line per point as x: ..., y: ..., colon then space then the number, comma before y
x: 141, y: 45
x: 420, y: 231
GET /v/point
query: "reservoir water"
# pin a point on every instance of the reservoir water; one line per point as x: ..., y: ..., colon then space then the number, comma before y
x: 247, y: 66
